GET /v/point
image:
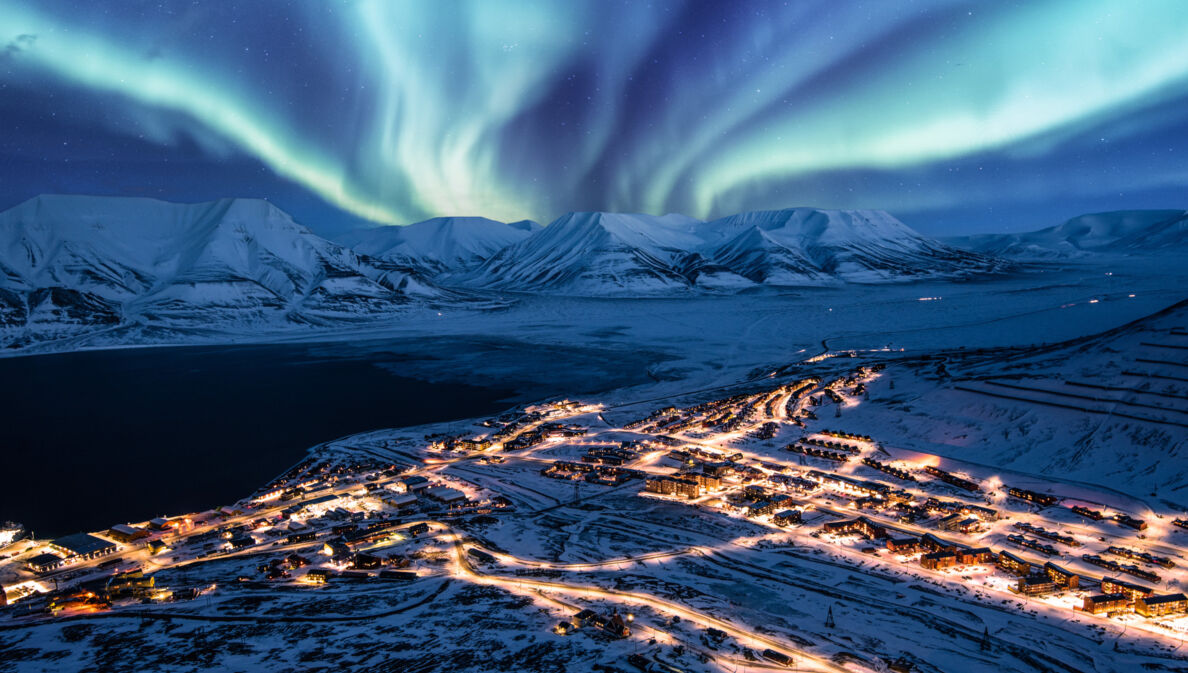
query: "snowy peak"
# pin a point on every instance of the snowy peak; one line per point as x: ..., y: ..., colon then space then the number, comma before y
x: 439, y: 245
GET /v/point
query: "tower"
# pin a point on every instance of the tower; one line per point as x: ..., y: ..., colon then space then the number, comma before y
x: 829, y: 623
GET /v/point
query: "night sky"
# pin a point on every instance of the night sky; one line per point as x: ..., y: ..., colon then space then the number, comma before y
x: 954, y: 116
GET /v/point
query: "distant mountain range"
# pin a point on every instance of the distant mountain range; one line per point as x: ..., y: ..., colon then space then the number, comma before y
x: 618, y: 254
x: 1119, y: 232
x: 78, y: 262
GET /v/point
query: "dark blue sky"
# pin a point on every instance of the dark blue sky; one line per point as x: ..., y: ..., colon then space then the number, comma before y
x: 955, y: 116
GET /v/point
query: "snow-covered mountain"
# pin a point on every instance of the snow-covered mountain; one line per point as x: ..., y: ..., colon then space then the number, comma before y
x: 442, y: 245
x: 593, y: 253
x: 807, y: 246
x: 1125, y: 232
x: 102, y: 260
x: 621, y: 254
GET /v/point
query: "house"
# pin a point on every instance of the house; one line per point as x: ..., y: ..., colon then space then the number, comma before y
x: 903, y: 545
x: 787, y: 517
x: 1035, y: 585
x: 415, y: 483
x: 1042, y: 499
x: 939, y: 560
x: 616, y: 626
x: 1063, y: 578
x: 1013, y: 564
x: 1116, y: 586
x: 979, y: 556
x: 362, y: 561
x: 934, y: 543
x: 1158, y: 606
x: 319, y: 575
x: 241, y: 541
x: 1105, y: 603
x: 134, y: 583
x: 418, y: 529
x: 125, y: 533
x: 582, y: 618
x: 82, y: 547
x: 672, y: 486
x: 1130, y: 521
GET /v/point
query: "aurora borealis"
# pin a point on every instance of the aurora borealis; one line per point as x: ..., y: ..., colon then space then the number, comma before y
x: 393, y: 111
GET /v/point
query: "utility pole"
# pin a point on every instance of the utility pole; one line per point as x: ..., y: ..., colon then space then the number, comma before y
x: 829, y: 623
x: 986, y: 640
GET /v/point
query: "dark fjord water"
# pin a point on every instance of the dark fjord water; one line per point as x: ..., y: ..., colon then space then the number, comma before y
x: 96, y: 438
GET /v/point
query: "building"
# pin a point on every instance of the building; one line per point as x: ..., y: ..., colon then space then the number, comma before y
x: 1116, y: 586
x: 787, y: 517
x: 953, y: 479
x: 1035, y: 585
x: 903, y: 545
x: 1105, y: 603
x: 399, y: 500
x: 934, y: 543
x: 939, y: 560
x: 446, y: 495
x: 319, y: 575
x: 134, y: 583
x: 959, y: 522
x: 241, y: 541
x: 1158, y: 606
x: 1063, y: 578
x: 156, y: 547
x: 582, y: 618
x: 672, y: 486
x: 861, y: 526
x: 1015, y: 565
x: 979, y: 556
x: 125, y: 533
x: 415, y: 483
x: 1042, y: 499
x: 44, y: 563
x: 1124, y: 519
x: 82, y: 547
x: 707, y: 481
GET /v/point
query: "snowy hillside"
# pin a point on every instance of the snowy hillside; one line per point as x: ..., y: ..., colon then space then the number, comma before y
x: 1109, y: 410
x: 1126, y: 232
x: 440, y: 245
x: 77, y: 260
x: 619, y: 254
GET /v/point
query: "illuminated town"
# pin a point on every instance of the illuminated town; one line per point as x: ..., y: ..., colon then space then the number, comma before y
x: 593, y: 336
